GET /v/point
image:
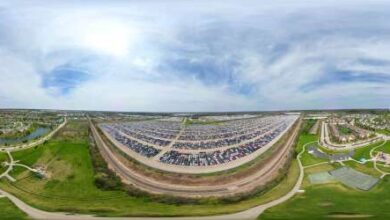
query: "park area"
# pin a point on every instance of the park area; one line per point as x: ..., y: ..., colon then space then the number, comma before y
x: 333, y: 190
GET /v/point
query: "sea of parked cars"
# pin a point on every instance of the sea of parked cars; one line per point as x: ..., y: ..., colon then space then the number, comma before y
x: 198, y: 144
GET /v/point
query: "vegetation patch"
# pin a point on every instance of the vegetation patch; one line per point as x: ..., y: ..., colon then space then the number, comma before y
x: 10, y: 211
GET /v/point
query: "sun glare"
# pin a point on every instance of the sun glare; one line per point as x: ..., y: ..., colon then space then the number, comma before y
x: 109, y: 38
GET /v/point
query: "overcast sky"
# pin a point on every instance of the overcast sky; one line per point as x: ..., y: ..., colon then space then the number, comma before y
x: 194, y: 55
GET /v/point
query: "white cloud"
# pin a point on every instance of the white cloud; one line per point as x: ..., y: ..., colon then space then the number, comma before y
x: 275, y: 49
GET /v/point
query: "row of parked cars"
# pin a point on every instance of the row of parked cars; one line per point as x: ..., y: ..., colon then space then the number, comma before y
x: 228, y: 144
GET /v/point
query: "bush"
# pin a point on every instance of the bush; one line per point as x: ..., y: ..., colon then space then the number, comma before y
x: 107, y: 182
x: 105, y: 179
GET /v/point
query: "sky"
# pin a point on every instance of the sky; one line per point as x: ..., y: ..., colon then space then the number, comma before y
x: 182, y: 55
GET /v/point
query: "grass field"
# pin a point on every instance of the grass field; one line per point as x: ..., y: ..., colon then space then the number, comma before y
x: 364, y: 152
x: 367, y: 168
x: 344, y: 130
x: 3, y: 158
x: 330, y: 200
x: 306, y: 158
x: 71, y: 187
x: 383, y: 131
x: 334, y: 200
x: 9, y: 211
x: 385, y: 148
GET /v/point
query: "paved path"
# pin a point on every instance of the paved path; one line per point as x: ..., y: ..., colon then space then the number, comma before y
x: 10, y: 167
x: 374, y: 160
x: 11, y: 164
x: 169, y: 147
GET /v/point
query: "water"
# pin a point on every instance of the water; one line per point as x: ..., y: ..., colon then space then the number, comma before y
x: 39, y: 132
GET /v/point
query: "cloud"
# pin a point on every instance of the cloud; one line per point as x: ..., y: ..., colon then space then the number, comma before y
x: 194, y: 56
x: 63, y: 79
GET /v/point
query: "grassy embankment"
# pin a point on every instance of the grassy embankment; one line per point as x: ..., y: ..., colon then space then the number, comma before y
x: 9, y: 211
x: 3, y: 158
x: 305, y: 137
x: 330, y: 200
x: 71, y: 184
x: 344, y: 130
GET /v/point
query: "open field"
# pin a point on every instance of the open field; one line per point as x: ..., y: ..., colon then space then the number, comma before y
x: 344, y: 130
x: 3, y: 158
x: 9, y: 211
x: 334, y: 200
x: 364, y: 152
x: 305, y: 137
x: 385, y: 148
x: 324, y: 201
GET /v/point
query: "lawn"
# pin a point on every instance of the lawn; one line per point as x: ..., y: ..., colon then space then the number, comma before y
x: 335, y: 200
x: 306, y: 158
x: 383, y: 131
x: 344, y: 130
x: 9, y: 211
x: 364, y: 152
x: 329, y: 200
x: 367, y: 168
x: 385, y: 148
x: 3, y: 158
x: 70, y: 186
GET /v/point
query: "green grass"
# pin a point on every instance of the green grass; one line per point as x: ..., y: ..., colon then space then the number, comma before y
x: 3, y: 158
x: 199, y: 122
x: 383, y: 131
x: 321, y: 201
x: 344, y: 130
x: 306, y: 158
x: 364, y: 152
x: 335, y: 200
x: 9, y: 211
x: 324, y: 201
x: 71, y: 187
x: 383, y: 168
x: 367, y: 168
x: 385, y: 148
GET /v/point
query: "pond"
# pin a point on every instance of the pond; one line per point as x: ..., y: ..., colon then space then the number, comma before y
x: 39, y: 132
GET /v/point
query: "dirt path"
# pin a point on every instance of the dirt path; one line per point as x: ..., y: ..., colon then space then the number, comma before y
x: 374, y: 160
